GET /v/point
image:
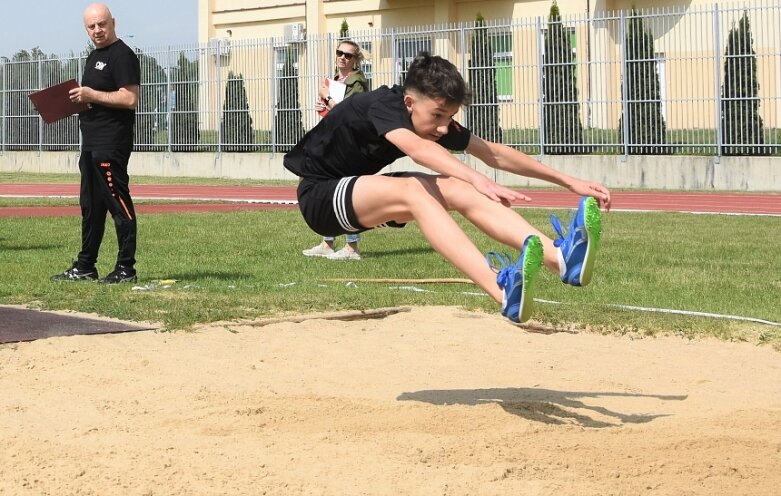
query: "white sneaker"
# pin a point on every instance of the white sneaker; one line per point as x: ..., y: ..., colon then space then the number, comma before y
x: 345, y: 253
x: 321, y: 250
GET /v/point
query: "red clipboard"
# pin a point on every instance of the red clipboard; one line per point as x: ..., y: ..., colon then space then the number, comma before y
x: 54, y: 103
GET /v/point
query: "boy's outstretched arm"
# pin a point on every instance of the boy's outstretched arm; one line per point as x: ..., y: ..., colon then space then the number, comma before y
x: 507, y: 159
x: 433, y: 156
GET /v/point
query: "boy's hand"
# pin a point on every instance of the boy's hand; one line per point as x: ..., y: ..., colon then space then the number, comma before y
x: 590, y: 188
x: 498, y: 193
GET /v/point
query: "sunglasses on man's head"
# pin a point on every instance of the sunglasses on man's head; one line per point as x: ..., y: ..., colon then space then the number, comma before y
x: 346, y: 55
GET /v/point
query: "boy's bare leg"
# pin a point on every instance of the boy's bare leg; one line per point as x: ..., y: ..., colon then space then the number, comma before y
x: 497, y: 221
x: 426, y: 200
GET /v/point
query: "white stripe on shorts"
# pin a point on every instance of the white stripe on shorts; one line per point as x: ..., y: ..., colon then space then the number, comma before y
x: 340, y: 205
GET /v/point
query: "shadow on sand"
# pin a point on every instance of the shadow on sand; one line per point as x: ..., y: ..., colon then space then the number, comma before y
x: 544, y: 405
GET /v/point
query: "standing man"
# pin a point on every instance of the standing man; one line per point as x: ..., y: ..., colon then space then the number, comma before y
x: 110, y: 83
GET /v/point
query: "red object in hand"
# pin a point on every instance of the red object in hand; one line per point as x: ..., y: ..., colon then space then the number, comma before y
x: 324, y: 112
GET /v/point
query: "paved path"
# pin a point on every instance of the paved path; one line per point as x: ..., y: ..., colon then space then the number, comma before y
x: 284, y: 197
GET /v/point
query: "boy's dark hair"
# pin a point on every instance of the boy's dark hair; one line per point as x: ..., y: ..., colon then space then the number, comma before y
x: 435, y: 77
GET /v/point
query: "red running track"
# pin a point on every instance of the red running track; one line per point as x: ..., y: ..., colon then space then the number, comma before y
x: 233, y: 198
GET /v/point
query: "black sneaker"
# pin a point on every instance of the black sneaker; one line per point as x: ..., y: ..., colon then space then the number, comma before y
x: 76, y: 273
x: 120, y: 274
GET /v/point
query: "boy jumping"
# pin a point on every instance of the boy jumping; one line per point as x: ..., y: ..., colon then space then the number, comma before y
x: 340, y: 192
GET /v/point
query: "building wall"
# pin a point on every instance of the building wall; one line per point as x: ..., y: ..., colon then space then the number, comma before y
x: 258, y: 19
x: 680, y: 41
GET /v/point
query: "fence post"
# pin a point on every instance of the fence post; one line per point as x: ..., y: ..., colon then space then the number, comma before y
x: 169, y: 118
x: 541, y: 83
x: 462, y: 40
x: 4, y: 73
x: 717, y: 79
x: 40, y: 120
x: 80, y: 73
x: 220, y: 115
x: 394, y: 56
x: 274, y: 95
x: 624, y: 89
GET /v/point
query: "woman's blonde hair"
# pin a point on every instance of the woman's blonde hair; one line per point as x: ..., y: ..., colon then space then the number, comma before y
x: 358, y: 57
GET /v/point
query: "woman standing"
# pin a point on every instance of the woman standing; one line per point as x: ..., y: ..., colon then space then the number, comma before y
x: 348, y: 72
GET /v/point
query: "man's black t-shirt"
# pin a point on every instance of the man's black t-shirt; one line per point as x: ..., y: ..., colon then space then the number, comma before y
x: 350, y: 140
x: 108, y: 69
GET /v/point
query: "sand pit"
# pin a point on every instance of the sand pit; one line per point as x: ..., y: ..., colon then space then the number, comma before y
x: 431, y: 401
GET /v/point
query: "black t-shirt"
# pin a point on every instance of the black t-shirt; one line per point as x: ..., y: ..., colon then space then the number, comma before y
x: 108, y: 69
x: 350, y: 140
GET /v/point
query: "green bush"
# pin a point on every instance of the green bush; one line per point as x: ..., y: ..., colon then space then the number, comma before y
x: 740, y: 119
x: 483, y: 114
x: 645, y: 124
x: 236, y: 127
x: 561, y: 108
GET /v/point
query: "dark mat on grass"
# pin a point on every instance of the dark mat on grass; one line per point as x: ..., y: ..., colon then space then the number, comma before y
x: 22, y: 324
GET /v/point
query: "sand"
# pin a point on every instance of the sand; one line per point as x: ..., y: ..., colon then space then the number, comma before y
x: 432, y: 401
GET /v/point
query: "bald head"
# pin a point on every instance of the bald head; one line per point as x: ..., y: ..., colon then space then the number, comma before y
x: 100, y: 25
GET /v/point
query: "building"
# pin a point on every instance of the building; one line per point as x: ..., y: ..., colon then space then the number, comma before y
x: 689, y: 38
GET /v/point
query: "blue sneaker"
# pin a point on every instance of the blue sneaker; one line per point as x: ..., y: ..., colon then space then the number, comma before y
x: 578, y: 248
x: 517, y: 280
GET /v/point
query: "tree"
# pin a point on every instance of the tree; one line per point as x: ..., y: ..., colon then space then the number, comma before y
x: 27, y: 72
x: 483, y: 114
x: 740, y: 119
x: 645, y: 122
x: 152, y: 102
x: 344, y: 30
x: 64, y: 133
x: 561, y: 109
x: 21, y: 75
x: 236, y: 129
x: 183, y: 131
x: 289, y: 127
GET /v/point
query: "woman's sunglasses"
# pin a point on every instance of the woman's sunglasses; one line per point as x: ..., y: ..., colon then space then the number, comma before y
x: 346, y: 55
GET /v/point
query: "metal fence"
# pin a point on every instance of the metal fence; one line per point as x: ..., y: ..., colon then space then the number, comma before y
x: 666, y: 81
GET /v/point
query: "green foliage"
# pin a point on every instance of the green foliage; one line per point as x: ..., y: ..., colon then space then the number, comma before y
x: 483, y: 114
x: 288, y: 123
x: 561, y: 108
x: 184, y: 119
x: 19, y: 75
x: 28, y: 72
x: 152, y: 102
x: 644, y: 120
x: 236, y: 127
x: 740, y: 119
x: 344, y: 30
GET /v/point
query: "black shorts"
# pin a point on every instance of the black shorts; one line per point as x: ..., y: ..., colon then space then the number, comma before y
x: 327, y: 206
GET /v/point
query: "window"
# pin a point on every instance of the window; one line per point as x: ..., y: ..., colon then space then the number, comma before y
x: 280, y: 54
x: 286, y: 75
x: 502, y: 44
x: 366, y: 66
x: 406, y: 51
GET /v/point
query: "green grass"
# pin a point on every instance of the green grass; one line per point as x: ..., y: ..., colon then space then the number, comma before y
x: 249, y: 264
